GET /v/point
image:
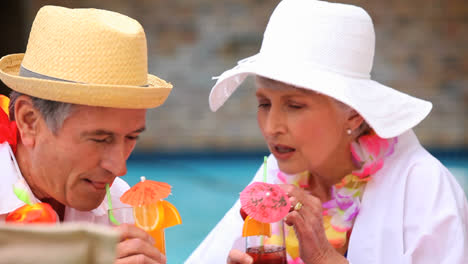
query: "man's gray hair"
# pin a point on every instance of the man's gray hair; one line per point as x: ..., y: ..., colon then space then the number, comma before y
x: 53, y: 112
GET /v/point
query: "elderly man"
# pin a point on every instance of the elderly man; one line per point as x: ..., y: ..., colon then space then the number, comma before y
x: 79, y: 100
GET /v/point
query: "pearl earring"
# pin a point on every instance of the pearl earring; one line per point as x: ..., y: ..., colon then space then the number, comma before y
x: 349, y: 131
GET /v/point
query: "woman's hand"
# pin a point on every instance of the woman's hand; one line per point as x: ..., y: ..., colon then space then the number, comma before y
x: 238, y: 257
x: 307, y: 221
x: 136, y: 246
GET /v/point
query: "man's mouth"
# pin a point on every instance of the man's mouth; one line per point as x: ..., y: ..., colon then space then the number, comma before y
x: 99, y: 185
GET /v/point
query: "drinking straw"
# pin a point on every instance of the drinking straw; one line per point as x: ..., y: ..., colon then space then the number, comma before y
x: 109, y: 203
x: 264, y: 180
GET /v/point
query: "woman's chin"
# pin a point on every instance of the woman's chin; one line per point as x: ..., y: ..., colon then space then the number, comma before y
x: 290, y: 167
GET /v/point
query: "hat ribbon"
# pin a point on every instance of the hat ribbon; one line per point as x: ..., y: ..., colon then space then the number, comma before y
x: 30, y: 74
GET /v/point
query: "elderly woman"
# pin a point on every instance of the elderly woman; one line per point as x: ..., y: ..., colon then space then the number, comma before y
x: 371, y: 193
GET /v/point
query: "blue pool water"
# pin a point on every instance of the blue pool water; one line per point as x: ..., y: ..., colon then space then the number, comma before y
x: 206, y: 186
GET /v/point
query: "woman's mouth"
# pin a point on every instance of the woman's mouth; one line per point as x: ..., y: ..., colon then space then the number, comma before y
x: 283, y: 152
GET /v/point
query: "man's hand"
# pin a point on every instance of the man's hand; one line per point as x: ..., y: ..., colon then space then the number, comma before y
x: 136, y: 246
x: 239, y: 257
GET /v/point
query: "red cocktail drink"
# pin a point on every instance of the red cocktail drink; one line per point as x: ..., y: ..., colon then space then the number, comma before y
x: 268, y: 254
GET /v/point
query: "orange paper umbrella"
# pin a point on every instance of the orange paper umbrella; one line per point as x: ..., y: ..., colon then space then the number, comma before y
x: 146, y: 192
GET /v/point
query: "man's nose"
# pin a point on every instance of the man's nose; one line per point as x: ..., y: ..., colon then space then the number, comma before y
x: 115, y: 161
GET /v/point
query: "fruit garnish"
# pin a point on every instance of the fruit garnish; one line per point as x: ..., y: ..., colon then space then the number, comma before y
x: 171, y: 215
x: 160, y: 215
x: 149, y: 217
x: 253, y: 227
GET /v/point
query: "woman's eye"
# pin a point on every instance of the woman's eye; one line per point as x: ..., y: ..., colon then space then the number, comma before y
x: 295, y: 106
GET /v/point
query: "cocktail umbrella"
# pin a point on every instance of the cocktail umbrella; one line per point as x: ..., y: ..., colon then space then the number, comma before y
x: 265, y: 202
x: 146, y: 192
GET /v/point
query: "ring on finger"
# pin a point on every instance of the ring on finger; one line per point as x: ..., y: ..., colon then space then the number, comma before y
x: 298, y: 206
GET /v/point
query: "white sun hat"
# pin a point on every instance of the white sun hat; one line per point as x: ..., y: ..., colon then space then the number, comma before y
x: 85, y: 56
x: 328, y: 48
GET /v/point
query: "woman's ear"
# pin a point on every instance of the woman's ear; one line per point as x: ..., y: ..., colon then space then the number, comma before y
x: 27, y: 119
x: 354, y: 120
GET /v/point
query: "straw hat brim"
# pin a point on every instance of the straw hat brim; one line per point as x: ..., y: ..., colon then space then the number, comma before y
x: 388, y: 111
x: 115, y: 96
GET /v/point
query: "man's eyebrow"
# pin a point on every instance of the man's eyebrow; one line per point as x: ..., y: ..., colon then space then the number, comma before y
x: 98, y: 132
x: 101, y: 132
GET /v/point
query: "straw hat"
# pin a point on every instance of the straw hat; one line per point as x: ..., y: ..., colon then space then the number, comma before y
x: 85, y: 56
x: 328, y: 48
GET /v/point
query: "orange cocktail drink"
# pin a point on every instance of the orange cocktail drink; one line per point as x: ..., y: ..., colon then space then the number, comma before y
x: 153, y: 218
x: 159, y: 240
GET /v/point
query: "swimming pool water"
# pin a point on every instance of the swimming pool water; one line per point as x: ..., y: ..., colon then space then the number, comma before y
x: 205, y: 188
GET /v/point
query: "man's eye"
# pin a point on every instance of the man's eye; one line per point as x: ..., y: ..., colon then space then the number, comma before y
x: 133, y: 137
x: 103, y: 140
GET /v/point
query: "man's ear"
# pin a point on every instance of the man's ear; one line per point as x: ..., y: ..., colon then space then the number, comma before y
x: 27, y: 119
x: 354, y: 120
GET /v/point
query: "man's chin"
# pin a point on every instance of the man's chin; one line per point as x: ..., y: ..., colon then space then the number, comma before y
x: 85, y: 208
x: 87, y: 205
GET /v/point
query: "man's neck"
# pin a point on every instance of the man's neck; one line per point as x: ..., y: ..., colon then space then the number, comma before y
x: 27, y: 171
x: 22, y: 156
x: 58, y: 207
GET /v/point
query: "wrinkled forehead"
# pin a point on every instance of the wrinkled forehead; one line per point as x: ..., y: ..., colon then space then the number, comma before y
x: 90, y: 116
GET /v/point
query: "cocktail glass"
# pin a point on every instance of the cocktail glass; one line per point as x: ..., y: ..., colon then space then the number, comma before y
x: 268, y: 249
x: 127, y: 215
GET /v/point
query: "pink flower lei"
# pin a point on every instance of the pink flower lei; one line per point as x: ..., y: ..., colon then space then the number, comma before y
x: 369, y: 152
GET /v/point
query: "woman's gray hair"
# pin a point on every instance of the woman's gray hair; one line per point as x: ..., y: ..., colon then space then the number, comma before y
x: 54, y: 113
x: 363, y: 129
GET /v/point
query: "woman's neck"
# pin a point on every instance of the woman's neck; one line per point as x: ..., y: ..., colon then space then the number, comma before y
x: 322, y: 179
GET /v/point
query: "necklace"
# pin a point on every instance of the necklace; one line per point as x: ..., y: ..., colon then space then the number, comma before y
x: 339, y: 213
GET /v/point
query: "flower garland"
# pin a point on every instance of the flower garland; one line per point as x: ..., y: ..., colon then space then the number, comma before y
x: 8, y: 130
x: 340, y: 212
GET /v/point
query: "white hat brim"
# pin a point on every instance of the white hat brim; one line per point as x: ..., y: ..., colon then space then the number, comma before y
x: 388, y: 111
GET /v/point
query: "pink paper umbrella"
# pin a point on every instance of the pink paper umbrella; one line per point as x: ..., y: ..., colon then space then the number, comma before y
x: 265, y: 202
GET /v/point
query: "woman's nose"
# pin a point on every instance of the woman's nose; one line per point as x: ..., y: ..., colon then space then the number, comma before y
x: 275, y: 122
